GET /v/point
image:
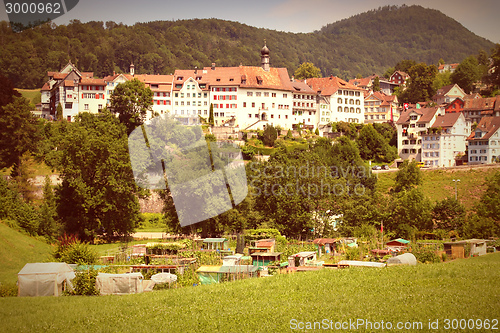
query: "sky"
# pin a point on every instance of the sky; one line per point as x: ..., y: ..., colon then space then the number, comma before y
x: 479, y: 16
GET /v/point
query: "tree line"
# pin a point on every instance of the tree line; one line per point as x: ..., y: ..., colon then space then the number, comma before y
x: 364, y: 44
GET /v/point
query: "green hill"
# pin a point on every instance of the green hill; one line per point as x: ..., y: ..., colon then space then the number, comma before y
x: 16, y: 250
x: 363, y: 44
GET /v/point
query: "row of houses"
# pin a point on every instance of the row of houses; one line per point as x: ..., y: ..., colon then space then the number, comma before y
x: 243, y: 97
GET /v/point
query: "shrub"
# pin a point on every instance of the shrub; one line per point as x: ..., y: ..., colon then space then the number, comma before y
x: 352, y: 253
x: 71, y: 251
x: 9, y: 290
x: 84, y: 283
x: 426, y: 255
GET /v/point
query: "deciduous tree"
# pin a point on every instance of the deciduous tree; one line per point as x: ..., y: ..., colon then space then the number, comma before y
x: 131, y: 101
x: 97, y: 195
x: 307, y: 70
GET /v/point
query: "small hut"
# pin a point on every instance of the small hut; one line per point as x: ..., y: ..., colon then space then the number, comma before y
x: 456, y: 250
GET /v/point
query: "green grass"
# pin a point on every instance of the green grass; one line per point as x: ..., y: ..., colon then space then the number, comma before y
x: 32, y: 95
x: 438, y: 184
x: 17, y: 249
x: 462, y: 289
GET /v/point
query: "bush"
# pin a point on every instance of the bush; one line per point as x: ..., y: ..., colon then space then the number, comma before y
x: 352, y: 253
x: 8, y: 290
x: 84, y: 283
x: 426, y: 255
x: 71, y: 251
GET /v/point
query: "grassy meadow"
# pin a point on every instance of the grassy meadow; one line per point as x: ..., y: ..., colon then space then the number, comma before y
x: 17, y: 249
x: 461, y: 289
x: 32, y: 95
x: 438, y: 184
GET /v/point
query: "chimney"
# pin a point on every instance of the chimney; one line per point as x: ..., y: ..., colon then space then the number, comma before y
x: 213, y: 66
x: 195, y: 70
x: 293, y: 78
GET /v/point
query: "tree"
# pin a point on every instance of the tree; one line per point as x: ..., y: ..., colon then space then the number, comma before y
x: 488, y: 207
x: 442, y: 79
x: 420, y: 86
x: 269, y: 136
x: 211, y: 115
x: 408, y: 177
x: 59, y: 112
x: 97, y: 196
x: 7, y: 91
x: 467, y: 74
x: 48, y: 213
x: 405, y: 65
x: 307, y: 70
x: 448, y: 214
x: 131, y: 101
x: 410, y: 211
x: 494, y: 73
x: 18, y: 132
x: 376, y: 84
x: 370, y: 143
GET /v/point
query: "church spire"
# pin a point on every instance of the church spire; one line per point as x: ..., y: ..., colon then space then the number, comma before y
x: 264, y: 57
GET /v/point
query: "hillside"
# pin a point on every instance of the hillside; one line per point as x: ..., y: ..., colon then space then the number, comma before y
x: 17, y: 249
x: 363, y: 44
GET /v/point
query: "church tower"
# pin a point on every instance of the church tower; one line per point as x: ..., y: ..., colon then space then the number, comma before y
x: 264, y: 57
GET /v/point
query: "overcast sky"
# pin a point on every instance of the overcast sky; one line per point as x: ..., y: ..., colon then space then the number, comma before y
x: 479, y: 16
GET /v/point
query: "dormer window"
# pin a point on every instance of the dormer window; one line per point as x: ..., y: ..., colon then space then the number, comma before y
x: 217, y: 79
x: 198, y: 78
x: 180, y: 78
x: 154, y: 86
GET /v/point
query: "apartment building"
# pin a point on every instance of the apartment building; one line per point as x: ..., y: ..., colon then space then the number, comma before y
x: 338, y: 100
x: 411, y: 126
x: 445, y: 140
x: 380, y: 108
x: 484, y: 142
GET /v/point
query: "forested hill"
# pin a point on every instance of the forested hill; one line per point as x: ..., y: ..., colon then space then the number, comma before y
x: 364, y: 44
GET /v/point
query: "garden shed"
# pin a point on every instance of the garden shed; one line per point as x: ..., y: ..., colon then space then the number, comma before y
x: 119, y: 284
x: 301, y: 258
x: 397, y: 244
x: 326, y: 245
x: 456, y: 250
x: 403, y: 259
x: 45, y: 279
x: 262, y: 259
x: 215, y: 244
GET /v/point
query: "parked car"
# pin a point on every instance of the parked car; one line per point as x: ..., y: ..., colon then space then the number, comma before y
x: 376, y: 167
x: 385, y: 167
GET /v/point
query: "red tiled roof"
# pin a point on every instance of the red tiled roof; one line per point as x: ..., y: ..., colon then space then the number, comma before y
x: 481, y: 104
x: 446, y: 120
x: 88, y: 75
x: 323, y: 241
x: 93, y: 82
x: 488, y: 125
x: 302, y: 87
x: 275, y: 78
x: 60, y: 76
x: 329, y: 85
x: 426, y: 115
x: 45, y: 87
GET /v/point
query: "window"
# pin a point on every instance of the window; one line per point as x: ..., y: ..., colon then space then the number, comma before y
x: 339, y: 100
x: 258, y: 94
x: 273, y: 95
x: 86, y: 107
x: 244, y: 104
x: 285, y: 95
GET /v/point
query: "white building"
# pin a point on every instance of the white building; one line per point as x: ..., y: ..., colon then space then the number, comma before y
x: 339, y: 100
x: 445, y: 140
x: 484, y: 142
x: 411, y: 125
